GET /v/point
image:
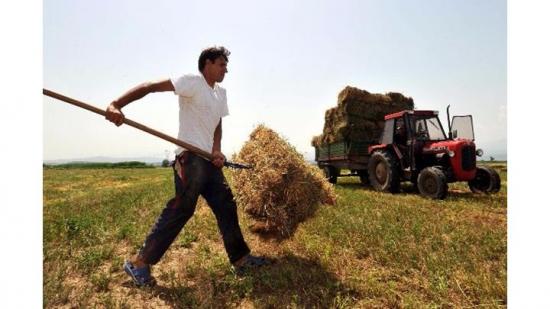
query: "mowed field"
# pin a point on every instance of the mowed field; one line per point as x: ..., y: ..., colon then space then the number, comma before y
x: 370, y: 250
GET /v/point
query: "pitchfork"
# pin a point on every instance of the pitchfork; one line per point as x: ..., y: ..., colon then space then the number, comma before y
x: 141, y: 127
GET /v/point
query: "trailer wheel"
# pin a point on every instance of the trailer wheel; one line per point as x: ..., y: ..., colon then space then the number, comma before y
x: 331, y: 174
x: 364, y: 176
x: 486, y: 180
x: 383, y: 171
x: 432, y: 183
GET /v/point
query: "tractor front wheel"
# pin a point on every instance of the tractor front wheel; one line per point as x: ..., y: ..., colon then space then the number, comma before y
x: 432, y: 183
x: 486, y: 180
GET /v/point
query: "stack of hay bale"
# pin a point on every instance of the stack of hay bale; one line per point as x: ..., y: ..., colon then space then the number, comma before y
x: 282, y: 189
x: 359, y: 116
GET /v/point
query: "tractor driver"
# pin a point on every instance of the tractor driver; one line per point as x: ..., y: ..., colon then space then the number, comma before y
x: 400, y: 133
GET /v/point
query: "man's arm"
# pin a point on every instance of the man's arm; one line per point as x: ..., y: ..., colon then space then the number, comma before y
x: 218, y: 157
x: 114, y: 113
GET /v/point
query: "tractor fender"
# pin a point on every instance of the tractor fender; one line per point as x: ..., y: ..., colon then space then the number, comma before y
x: 388, y: 147
x: 377, y: 147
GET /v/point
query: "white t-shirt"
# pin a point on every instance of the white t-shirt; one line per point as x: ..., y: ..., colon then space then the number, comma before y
x: 201, y: 108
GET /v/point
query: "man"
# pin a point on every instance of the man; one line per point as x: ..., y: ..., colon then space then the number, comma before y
x: 400, y: 132
x: 203, y: 104
x: 400, y: 139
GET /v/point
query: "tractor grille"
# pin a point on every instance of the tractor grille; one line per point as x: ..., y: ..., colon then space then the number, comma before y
x: 468, y: 158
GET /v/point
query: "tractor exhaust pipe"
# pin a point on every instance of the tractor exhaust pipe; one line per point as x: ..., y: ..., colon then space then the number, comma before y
x: 449, y: 122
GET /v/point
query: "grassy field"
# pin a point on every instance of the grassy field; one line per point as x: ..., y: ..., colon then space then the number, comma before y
x: 371, y: 250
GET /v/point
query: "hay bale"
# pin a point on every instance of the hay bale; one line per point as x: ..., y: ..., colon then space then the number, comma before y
x: 283, y: 189
x: 352, y: 94
x: 359, y: 115
x: 317, y: 140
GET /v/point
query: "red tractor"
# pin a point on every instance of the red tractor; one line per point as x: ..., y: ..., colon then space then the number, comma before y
x: 414, y: 147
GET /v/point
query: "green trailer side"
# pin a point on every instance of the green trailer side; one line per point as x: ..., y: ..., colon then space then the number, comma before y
x: 352, y: 155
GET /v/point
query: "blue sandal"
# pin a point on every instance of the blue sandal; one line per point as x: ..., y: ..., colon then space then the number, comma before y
x: 250, y: 262
x: 141, y: 276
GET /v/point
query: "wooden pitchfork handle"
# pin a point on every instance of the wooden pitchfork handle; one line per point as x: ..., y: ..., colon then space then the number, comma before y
x: 139, y: 126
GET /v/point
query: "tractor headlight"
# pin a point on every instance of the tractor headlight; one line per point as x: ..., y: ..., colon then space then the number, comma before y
x: 479, y: 152
x: 451, y: 153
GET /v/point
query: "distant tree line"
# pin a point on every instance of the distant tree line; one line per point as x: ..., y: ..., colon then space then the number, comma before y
x: 127, y: 164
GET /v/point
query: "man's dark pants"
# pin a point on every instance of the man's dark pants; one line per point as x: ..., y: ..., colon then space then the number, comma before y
x: 196, y: 176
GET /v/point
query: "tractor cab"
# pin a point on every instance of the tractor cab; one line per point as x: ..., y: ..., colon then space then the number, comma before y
x: 411, y: 135
x: 407, y: 126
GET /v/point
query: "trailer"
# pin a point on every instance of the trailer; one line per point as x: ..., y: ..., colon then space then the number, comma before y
x: 350, y: 155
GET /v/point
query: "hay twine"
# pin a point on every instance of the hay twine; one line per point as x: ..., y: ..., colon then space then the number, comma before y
x: 282, y: 190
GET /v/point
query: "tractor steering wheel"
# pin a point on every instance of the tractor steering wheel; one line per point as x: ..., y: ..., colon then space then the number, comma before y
x: 422, y: 134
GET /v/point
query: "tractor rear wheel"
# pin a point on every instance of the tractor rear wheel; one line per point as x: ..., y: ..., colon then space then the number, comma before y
x: 432, y: 183
x: 383, y: 171
x: 486, y: 180
x: 331, y: 174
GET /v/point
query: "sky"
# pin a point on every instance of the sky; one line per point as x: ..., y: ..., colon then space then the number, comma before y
x: 289, y: 60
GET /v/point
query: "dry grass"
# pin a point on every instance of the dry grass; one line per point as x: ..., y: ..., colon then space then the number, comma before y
x: 370, y: 250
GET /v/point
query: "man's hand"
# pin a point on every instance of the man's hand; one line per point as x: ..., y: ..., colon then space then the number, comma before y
x: 114, y: 115
x: 218, y: 159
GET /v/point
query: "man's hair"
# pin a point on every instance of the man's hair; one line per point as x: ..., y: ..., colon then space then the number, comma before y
x: 212, y: 53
